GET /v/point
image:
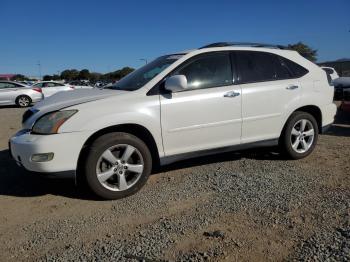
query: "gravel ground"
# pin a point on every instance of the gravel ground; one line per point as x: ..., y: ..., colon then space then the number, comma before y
x: 243, y: 206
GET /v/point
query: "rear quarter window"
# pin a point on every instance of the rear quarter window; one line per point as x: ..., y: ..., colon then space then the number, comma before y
x: 297, y: 70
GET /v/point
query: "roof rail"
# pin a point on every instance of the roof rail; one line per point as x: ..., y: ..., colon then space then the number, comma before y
x: 223, y: 44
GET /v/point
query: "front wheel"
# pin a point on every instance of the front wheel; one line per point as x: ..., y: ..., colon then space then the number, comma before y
x: 299, y: 136
x: 117, y: 165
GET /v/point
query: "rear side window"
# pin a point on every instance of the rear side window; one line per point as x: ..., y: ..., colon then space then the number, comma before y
x: 297, y: 70
x: 210, y: 70
x: 255, y: 67
x: 260, y: 67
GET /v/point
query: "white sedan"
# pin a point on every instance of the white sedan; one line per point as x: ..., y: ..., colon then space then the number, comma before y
x: 80, y: 85
x: 50, y: 87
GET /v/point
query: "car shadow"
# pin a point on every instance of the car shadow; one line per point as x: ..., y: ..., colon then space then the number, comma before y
x: 262, y: 153
x: 15, y: 181
x: 9, y: 106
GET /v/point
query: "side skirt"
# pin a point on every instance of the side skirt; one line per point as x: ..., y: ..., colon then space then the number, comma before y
x: 171, y: 159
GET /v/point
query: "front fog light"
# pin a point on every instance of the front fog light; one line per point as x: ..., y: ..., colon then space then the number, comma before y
x: 42, y: 157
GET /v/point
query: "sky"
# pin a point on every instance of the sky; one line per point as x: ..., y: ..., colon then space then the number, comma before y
x: 106, y: 35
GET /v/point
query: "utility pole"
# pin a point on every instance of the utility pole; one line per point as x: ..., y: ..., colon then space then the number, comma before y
x: 39, y: 67
x: 144, y: 59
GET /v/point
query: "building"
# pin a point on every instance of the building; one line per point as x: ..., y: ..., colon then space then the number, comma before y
x: 6, y: 76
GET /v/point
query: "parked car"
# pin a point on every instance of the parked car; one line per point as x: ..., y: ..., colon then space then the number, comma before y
x: 331, y: 71
x: 80, y: 85
x: 345, y: 106
x: 342, y: 88
x: 13, y: 93
x: 218, y: 98
x: 50, y: 87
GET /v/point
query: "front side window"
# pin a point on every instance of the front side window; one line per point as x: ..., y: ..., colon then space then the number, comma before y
x: 7, y: 85
x: 210, y: 70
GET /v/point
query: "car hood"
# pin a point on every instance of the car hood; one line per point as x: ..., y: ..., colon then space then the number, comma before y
x: 65, y: 99
x: 70, y: 98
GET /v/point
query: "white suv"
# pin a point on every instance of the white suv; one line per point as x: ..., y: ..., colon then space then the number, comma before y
x: 220, y: 97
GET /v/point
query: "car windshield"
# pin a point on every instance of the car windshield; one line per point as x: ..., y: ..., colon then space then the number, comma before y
x: 143, y: 75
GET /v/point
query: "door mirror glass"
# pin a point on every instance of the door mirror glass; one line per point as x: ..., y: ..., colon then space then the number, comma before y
x: 176, y: 83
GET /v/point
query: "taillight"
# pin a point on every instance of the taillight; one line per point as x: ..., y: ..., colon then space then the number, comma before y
x: 37, y: 89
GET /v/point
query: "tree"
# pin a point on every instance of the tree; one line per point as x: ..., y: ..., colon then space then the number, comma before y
x: 47, y: 78
x: 70, y: 74
x: 19, y: 77
x: 95, y: 76
x: 84, y: 74
x: 304, y: 50
x: 125, y: 71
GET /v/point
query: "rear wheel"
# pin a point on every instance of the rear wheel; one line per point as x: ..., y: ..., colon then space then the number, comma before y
x: 23, y: 101
x: 117, y: 165
x: 299, y: 136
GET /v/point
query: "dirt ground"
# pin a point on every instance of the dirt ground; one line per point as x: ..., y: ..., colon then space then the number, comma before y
x: 244, y: 206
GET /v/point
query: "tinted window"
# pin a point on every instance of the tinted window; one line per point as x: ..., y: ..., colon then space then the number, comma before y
x: 297, y: 70
x: 281, y: 69
x: 260, y: 67
x: 211, y: 70
x: 57, y: 84
x: 39, y: 84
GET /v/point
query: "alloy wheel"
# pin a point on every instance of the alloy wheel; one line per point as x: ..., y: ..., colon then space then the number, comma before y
x: 119, y: 167
x: 302, y: 136
x: 23, y: 101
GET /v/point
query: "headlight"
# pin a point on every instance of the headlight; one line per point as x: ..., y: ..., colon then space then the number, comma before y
x: 51, y: 122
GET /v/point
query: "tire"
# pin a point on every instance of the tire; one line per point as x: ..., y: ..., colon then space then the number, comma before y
x: 23, y: 101
x: 113, y: 165
x: 304, y: 141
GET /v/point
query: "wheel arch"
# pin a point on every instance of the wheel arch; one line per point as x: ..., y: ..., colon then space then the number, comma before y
x: 135, y: 129
x: 17, y: 97
x: 313, y: 110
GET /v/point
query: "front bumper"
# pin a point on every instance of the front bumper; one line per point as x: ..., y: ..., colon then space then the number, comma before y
x: 66, y: 148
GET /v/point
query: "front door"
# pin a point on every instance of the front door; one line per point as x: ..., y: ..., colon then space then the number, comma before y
x: 7, y: 93
x: 208, y: 114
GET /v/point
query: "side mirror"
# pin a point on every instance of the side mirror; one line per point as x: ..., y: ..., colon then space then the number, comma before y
x: 176, y: 83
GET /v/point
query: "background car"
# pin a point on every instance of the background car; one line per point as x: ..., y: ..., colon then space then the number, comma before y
x: 342, y: 88
x: 80, y: 84
x: 50, y: 87
x: 13, y: 93
x: 331, y: 71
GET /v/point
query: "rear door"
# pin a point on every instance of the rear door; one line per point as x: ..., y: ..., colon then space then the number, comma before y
x: 206, y: 116
x: 268, y: 90
x: 48, y: 88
